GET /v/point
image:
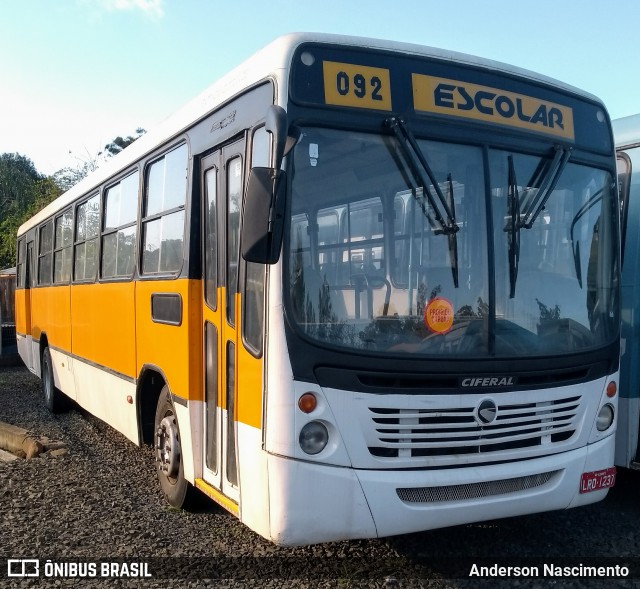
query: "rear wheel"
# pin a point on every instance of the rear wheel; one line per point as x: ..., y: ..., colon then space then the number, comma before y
x: 178, y: 491
x: 54, y: 399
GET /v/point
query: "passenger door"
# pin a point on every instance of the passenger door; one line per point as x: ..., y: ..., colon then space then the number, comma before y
x: 221, y: 189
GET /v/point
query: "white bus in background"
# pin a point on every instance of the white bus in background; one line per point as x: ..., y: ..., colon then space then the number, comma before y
x: 627, y: 136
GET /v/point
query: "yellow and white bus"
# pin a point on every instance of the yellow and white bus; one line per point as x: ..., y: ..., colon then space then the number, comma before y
x: 356, y: 288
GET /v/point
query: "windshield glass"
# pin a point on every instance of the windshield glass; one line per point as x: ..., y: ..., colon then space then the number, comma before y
x: 371, y: 268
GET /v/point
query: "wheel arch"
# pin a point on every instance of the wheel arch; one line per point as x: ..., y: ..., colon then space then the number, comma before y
x: 43, y: 343
x: 150, y: 384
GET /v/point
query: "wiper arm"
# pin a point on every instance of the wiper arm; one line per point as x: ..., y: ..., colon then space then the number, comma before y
x: 425, y: 176
x: 452, y: 237
x: 575, y: 244
x: 548, y: 182
x: 419, y: 166
x: 513, y: 227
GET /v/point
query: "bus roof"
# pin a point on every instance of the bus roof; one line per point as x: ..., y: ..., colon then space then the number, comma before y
x: 271, y: 61
x: 626, y: 131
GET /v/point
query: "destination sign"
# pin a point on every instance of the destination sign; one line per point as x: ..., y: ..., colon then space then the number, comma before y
x: 354, y: 84
x: 482, y: 103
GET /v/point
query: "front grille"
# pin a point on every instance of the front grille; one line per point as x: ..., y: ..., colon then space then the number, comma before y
x: 474, y: 490
x: 455, y: 431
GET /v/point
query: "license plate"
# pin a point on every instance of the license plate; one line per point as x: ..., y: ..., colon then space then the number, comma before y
x: 598, y: 479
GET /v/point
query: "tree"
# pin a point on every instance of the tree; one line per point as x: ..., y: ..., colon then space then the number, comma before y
x: 23, y: 192
x: 67, y: 177
x: 17, y: 174
x: 120, y: 143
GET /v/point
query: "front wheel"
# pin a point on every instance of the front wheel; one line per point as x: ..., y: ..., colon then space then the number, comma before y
x: 178, y: 491
x: 54, y: 399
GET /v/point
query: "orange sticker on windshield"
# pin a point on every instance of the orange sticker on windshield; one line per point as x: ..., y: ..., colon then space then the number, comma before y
x: 438, y: 315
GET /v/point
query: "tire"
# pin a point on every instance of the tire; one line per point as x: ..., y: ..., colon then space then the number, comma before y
x: 178, y: 491
x: 54, y: 399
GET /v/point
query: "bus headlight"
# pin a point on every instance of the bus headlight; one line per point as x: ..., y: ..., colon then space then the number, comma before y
x: 313, y: 437
x: 605, y: 417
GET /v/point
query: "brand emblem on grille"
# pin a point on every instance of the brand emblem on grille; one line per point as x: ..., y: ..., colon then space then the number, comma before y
x: 486, y: 412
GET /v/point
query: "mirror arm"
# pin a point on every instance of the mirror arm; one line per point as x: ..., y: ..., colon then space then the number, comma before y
x: 277, y: 125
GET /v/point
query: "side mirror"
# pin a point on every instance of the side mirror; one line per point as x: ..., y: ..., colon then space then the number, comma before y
x: 264, y: 203
x: 263, y: 218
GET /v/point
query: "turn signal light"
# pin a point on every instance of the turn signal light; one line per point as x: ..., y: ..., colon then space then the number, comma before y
x: 307, y: 402
x: 612, y: 389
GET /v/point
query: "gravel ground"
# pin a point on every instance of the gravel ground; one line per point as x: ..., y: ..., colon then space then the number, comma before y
x: 101, y: 501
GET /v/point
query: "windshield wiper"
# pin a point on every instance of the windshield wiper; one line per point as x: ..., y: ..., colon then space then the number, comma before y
x: 575, y: 244
x: 545, y: 182
x: 513, y: 227
x: 424, y: 176
x: 451, y: 236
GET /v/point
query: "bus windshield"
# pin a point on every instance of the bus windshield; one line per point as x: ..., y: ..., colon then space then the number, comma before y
x: 374, y: 264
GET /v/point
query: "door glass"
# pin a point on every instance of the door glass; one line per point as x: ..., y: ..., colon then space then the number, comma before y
x: 234, y: 200
x: 211, y: 238
x: 232, y: 472
x: 211, y: 395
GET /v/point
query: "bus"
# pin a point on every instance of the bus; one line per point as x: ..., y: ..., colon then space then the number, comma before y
x: 627, y: 137
x: 357, y: 288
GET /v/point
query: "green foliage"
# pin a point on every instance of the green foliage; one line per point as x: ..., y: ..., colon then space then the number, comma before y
x: 23, y: 192
x: 17, y: 174
x: 68, y: 177
x: 119, y: 143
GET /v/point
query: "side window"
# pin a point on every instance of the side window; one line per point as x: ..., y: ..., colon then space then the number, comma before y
x: 45, y: 253
x: 623, y: 164
x: 86, y: 244
x: 261, y: 148
x: 119, y: 231
x: 253, y: 299
x: 211, y: 237
x: 234, y: 201
x: 163, y: 222
x: 20, y: 264
x: 62, y: 247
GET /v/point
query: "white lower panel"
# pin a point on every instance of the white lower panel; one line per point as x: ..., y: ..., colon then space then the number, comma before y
x: 63, y: 373
x: 253, y: 479
x: 24, y: 349
x: 599, y: 457
x: 313, y: 503
x: 189, y: 419
x: 393, y: 516
x: 105, y: 395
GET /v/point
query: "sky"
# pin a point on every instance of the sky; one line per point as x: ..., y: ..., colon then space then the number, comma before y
x: 75, y: 74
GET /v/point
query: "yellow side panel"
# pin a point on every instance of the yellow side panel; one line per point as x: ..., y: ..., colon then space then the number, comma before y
x: 249, y: 380
x: 104, y: 325
x: 174, y: 349
x: 50, y: 308
x: 21, y: 311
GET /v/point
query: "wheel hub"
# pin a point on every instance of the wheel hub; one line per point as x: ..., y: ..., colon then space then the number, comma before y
x: 168, y: 447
